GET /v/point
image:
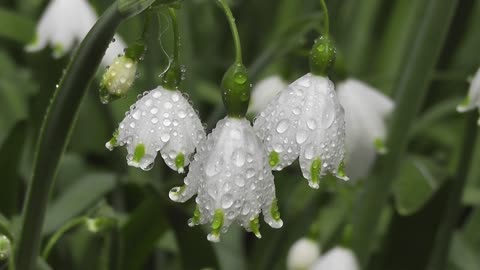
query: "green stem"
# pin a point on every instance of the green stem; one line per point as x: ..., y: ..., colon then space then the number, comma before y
x: 233, y: 28
x: 411, y: 89
x: 56, y: 130
x: 326, y: 27
x: 58, y: 234
x: 439, y: 255
x: 176, y: 35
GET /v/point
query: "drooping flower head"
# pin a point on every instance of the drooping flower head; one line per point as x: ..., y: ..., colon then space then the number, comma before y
x: 161, y: 120
x: 338, y: 258
x: 264, y: 91
x: 302, y: 254
x: 66, y: 22
x: 232, y: 179
x: 305, y: 120
x: 472, y: 101
x: 366, y: 112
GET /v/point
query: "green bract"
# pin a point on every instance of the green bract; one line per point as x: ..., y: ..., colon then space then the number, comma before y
x: 236, y: 88
x: 322, y: 56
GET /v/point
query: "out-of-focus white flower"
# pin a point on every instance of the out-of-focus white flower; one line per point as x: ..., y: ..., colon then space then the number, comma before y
x: 305, y: 120
x: 232, y: 179
x: 161, y: 120
x: 302, y: 254
x: 118, y: 79
x: 472, y: 101
x: 338, y: 258
x: 264, y: 91
x: 66, y: 22
x: 366, y: 111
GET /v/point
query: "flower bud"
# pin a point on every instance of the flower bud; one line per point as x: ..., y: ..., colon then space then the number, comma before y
x: 118, y: 79
x: 302, y: 254
x: 5, y: 247
x: 322, y: 56
x: 236, y: 88
x: 100, y: 224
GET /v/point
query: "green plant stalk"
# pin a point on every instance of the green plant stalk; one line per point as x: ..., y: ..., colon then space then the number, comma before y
x: 233, y: 28
x: 326, y: 26
x: 411, y: 89
x: 56, y: 129
x: 58, y: 234
x: 439, y: 255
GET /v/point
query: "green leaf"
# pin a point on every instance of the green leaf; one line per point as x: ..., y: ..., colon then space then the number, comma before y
x: 418, y: 180
x: 15, y: 27
x: 77, y: 199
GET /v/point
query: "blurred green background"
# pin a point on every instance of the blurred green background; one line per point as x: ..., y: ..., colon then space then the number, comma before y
x: 374, y: 40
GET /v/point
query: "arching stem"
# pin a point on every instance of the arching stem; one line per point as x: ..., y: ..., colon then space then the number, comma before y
x: 233, y: 28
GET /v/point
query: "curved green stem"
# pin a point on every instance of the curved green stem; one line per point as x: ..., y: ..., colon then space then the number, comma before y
x: 176, y: 35
x: 58, y: 234
x: 233, y: 28
x: 326, y: 26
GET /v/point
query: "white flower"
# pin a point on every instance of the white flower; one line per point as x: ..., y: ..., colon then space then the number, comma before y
x: 338, y: 258
x: 5, y: 247
x: 118, y: 79
x: 264, y: 91
x: 302, y: 254
x: 305, y: 120
x: 366, y: 111
x: 473, y: 99
x: 66, y: 22
x: 161, y: 120
x: 232, y: 179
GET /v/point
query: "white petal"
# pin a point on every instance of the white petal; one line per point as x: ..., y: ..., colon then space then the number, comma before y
x: 231, y: 174
x: 264, y: 91
x: 473, y: 99
x: 366, y: 111
x: 337, y: 258
x: 115, y: 49
x: 302, y: 254
x: 159, y: 117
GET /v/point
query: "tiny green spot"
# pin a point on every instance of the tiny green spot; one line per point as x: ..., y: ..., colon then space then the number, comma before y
x: 341, y: 170
x: 114, y: 140
x: 315, y: 169
x: 139, y: 152
x: 58, y: 50
x: 274, y: 159
x: 465, y: 102
x: 274, y: 210
x: 180, y: 161
x: 380, y: 146
x: 217, y: 222
x: 255, y: 227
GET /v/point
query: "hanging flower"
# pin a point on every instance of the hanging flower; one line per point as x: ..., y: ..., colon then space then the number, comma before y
x: 302, y: 254
x: 5, y: 248
x: 472, y: 101
x: 66, y: 22
x: 264, y: 91
x: 305, y: 120
x: 232, y: 179
x: 161, y: 120
x: 338, y: 258
x: 366, y: 111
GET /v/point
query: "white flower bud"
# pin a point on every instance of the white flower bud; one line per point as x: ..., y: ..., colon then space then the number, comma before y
x: 5, y: 247
x: 66, y: 22
x: 232, y: 179
x: 338, y: 258
x: 366, y: 111
x: 161, y: 120
x: 472, y: 101
x: 118, y: 79
x: 302, y: 254
x: 305, y: 120
x: 264, y: 91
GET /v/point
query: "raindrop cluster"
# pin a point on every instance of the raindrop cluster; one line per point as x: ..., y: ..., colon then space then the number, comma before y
x: 232, y: 179
x: 161, y: 120
x: 305, y: 121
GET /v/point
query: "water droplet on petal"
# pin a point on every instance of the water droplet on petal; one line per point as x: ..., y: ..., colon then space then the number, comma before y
x: 301, y: 136
x: 312, y: 124
x: 227, y: 201
x: 283, y: 125
x: 165, y: 137
x: 238, y: 158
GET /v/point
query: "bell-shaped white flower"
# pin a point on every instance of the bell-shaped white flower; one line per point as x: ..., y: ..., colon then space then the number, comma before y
x: 66, y: 22
x: 305, y: 120
x: 472, y: 101
x: 161, y: 120
x: 338, y: 258
x: 302, y: 254
x: 232, y: 179
x: 264, y: 91
x: 366, y: 112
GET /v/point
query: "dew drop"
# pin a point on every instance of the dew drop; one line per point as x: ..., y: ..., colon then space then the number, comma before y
x: 312, y: 124
x: 136, y: 115
x: 132, y: 125
x: 283, y: 125
x: 168, y: 105
x: 175, y: 97
x: 238, y: 158
x: 182, y: 114
x: 301, y: 136
x: 154, y: 120
x: 167, y: 122
x: 165, y: 137
x: 157, y: 94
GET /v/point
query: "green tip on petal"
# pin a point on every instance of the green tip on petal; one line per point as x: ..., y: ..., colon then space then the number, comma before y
x: 464, y: 105
x: 315, y: 170
x: 274, y: 159
x: 380, y: 146
x: 113, y: 141
x: 255, y: 227
x: 139, y: 153
x: 274, y: 210
x: 180, y: 162
x: 217, y: 224
x: 58, y: 50
x: 195, y: 220
x: 341, y: 172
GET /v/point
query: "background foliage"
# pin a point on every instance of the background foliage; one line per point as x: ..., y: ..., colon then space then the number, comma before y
x: 375, y: 40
